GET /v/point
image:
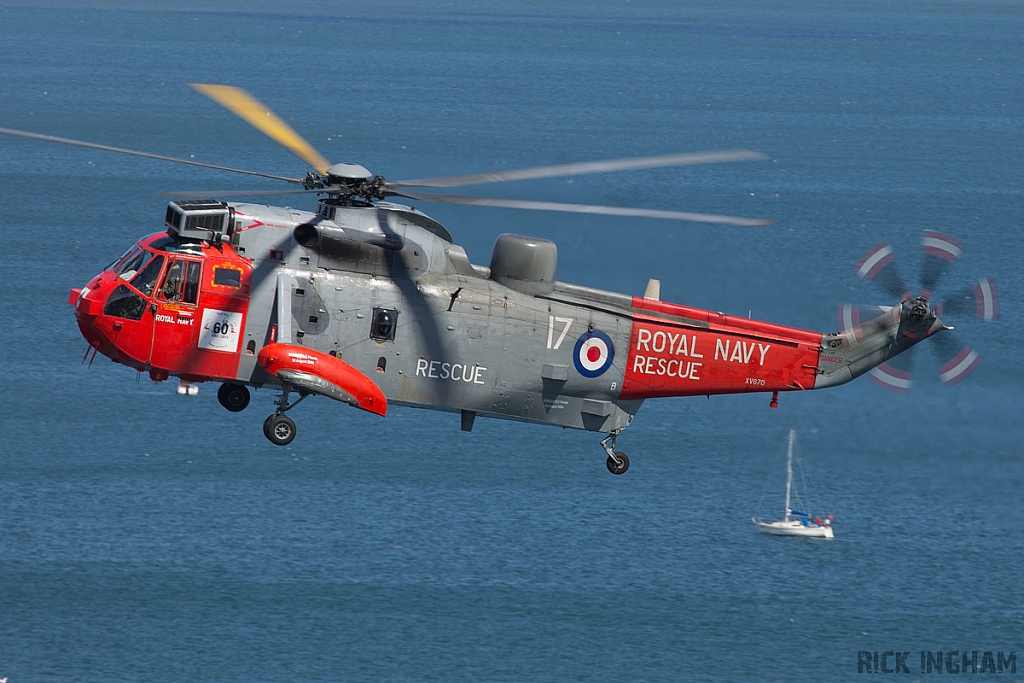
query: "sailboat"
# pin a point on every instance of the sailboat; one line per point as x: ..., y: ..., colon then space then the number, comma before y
x: 795, y: 522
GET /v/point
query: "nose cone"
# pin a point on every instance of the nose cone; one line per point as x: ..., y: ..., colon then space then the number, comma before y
x: 88, y: 302
x: 97, y: 329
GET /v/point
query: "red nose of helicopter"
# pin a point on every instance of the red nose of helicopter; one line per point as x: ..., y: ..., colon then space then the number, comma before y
x: 113, y: 310
x: 89, y: 302
x: 173, y: 304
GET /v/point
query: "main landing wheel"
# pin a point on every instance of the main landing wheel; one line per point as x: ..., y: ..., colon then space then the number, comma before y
x: 280, y: 429
x: 234, y: 397
x: 618, y: 467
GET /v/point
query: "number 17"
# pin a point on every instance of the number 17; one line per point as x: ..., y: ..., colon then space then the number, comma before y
x: 551, y: 330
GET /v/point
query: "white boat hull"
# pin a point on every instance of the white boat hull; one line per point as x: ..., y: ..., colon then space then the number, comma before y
x: 794, y: 528
x: 788, y: 526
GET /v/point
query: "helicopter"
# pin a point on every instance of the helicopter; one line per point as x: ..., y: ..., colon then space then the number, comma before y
x: 370, y: 302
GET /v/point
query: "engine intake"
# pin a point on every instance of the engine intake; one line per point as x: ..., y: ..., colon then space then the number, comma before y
x: 318, y: 236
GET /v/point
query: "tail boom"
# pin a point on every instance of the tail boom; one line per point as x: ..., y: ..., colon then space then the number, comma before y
x: 681, y: 351
x: 850, y: 353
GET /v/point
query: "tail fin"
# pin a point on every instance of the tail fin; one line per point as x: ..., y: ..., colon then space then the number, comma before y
x: 850, y: 353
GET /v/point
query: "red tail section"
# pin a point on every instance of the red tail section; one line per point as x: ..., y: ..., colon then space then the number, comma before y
x: 680, y: 351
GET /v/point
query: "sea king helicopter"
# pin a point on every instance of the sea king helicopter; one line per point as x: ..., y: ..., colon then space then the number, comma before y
x: 371, y: 303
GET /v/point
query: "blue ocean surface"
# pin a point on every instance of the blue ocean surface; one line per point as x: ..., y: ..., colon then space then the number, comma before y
x: 147, y: 536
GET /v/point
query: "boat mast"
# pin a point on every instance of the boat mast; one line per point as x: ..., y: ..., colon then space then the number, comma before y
x: 789, y: 469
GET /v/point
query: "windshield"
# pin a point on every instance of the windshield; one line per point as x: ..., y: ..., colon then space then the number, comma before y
x: 132, y: 264
x: 133, y: 260
x: 176, y: 245
x: 124, y: 257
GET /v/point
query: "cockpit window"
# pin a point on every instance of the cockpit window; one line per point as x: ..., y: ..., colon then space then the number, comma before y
x: 125, y: 303
x: 176, y: 245
x: 171, y: 288
x: 181, y: 283
x: 116, y: 265
x: 132, y: 264
x: 192, y: 282
x: 145, y: 280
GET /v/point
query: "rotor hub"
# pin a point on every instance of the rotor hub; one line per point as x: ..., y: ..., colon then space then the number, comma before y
x: 347, y: 173
x: 918, y: 310
x: 348, y: 183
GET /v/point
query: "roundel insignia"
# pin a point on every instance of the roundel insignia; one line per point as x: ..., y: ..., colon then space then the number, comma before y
x: 593, y: 354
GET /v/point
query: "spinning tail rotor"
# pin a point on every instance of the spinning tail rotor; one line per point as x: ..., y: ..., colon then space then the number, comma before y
x: 980, y: 300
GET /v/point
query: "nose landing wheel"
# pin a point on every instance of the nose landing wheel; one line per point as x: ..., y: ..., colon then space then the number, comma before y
x: 617, y: 462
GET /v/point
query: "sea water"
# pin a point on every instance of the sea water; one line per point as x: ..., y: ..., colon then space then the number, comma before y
x: 148, y: 536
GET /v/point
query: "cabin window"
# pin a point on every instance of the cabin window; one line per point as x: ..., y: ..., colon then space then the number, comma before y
x: 125, y: 303
x: 383, y: 325
x: 227, y: 277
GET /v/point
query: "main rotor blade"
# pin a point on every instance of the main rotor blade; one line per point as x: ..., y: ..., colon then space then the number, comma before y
x: 579, y: 208
x: 121, y: 150
x: 196, y: 194
x: 583, y: 168
x: 263, y: 119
